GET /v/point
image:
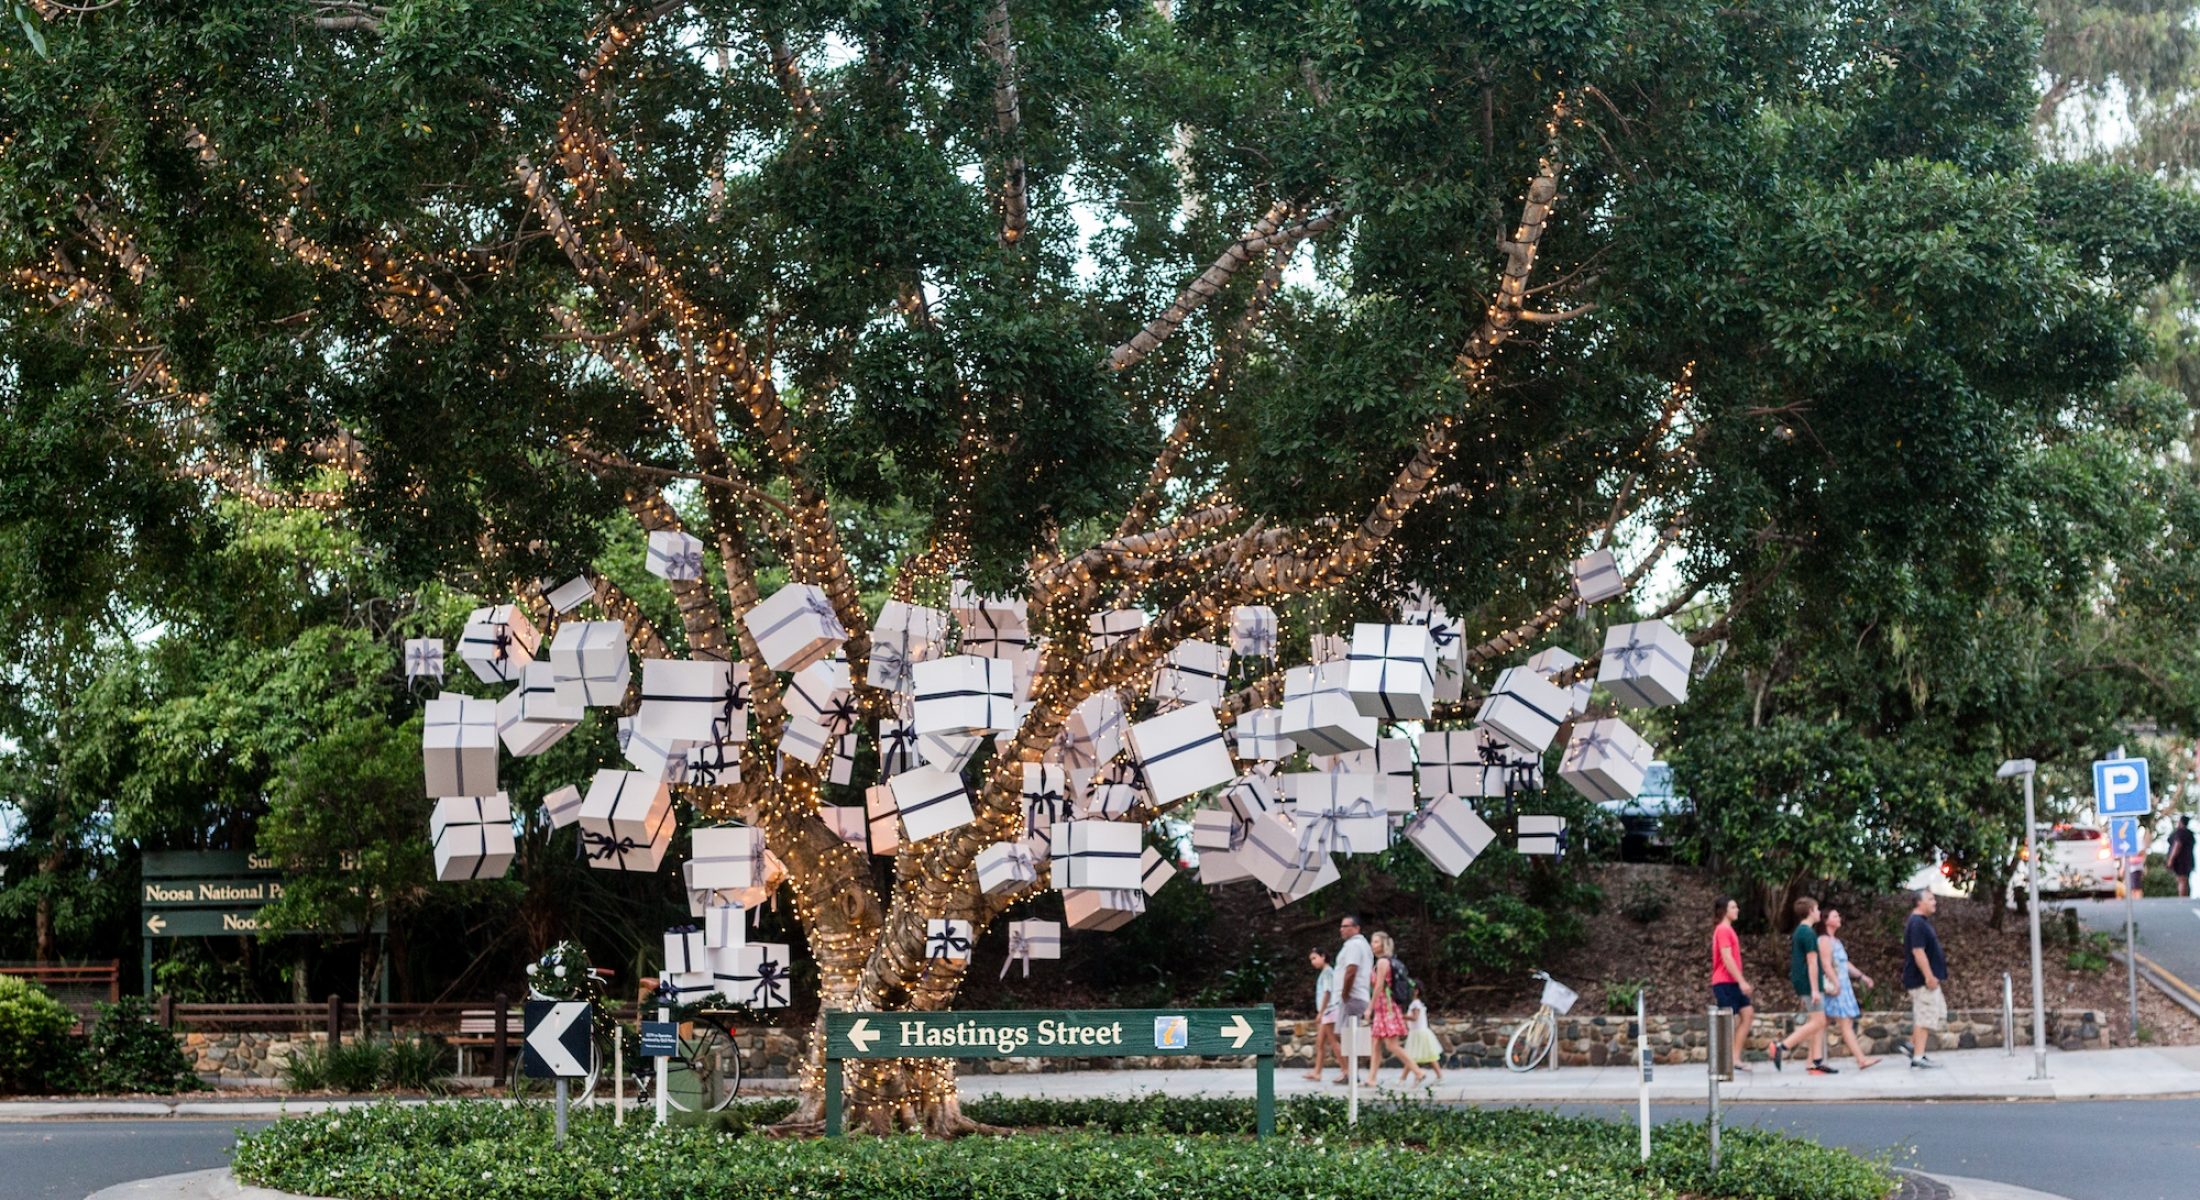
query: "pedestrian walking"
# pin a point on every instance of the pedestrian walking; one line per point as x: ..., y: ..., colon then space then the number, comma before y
x: 1421, y: 1043
x: 1730, y: 989
x: 2180, y: 855
x: 1924, y: 969
x: 1386, y: 1018
x: 1355, y: 972
x: 1834, y: 967
x: 1325, y: 1010
x: 1810, y: 996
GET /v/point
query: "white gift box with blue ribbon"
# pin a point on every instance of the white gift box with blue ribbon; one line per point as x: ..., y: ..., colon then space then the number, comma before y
x: 1450, y: 833
x: 906, y: 634
x: 1597, y: 577
x: 1319, y: 715
x: 1005, y: 867
x: 1605, y: 760
x: 849, y: 822
x: 1550, y: 662
x: 931, y: 802
x: 1253, y: 630
x: 1542, y: 834
x: 1391, y: 671
x: 589, y: 661
x: 1645, y: 665
x: 1275, y: 854
x: 882, y: 819
x: 570, y: 595
x: 498, y: 643
x: 626, y: 821
x: 897, y: 748
x: 1154, y: 870
x: 1181, y: 752
x: 1193, y: 671
x: 1259, y: 736
x: 1028, y: 940
x: 726, y: 925
x: 472, y: 836
x: 660, y: 757
x: 795, y: 626
x: 963, y: 695
x: 821, y: 693
x: 562, y: 806
x: 1095, y: 729
x: 686, y: 951
x: 1045, y: 804
x: 1254, y: 794
x: 1336, y: 813
x: 686, y: 699
x: 726, y: 856
x: 803, y: 740
x: 1390, y: 763
x: 458, y: 746
x: 754, y: 976
x: 1216, y: 829
x: 1524, y: 708
x: 947, y: 939
x: 675, y: 555
x: 1108, y: 628
x: 947, y: 751
x: 532, y: 717
x: 423, y: 659
x: 1100, y: 855
x: 1101, y: 909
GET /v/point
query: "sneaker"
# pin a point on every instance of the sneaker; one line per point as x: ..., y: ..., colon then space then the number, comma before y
x: 1923, y: 1063
x: 1909, y: 1051
x: 1819, y: 1068
x: 1778, y: 1052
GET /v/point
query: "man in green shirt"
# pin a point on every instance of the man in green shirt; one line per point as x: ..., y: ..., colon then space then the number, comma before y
x: 1810, y: 991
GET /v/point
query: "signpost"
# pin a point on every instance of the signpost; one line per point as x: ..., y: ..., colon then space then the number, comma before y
x: 1092, y: 1033
x: 556, y: 1045
x: 209, y: 893
x: 661, y: 1041
x: 2121, y: 796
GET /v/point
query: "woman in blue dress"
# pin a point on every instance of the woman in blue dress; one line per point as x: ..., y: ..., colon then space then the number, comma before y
x: 1838, y: 972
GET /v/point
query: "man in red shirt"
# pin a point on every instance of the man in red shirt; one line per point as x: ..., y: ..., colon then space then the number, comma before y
x: 1729, y: 989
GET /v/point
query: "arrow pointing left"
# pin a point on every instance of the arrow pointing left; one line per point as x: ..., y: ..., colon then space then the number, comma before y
x: 156, y: 922
x: 547, y: 1040
x: 861, y: 1035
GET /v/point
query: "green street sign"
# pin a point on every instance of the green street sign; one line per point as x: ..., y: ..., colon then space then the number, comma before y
x: 1073, y: 1033
x: 213, y: 864
x: 231, y: 893
x: 215, y: 922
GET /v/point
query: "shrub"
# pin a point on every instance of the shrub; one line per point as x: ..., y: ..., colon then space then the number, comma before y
x: 130, y: 1053
x: 37, y: 1051
x: 355, y: 1066
x: 1620, y: 996
x: 1142, y: 1150
x: 415, y: 1064
x: 307, y: 1069
x: 1645, y: 901
x: 408, y: 1064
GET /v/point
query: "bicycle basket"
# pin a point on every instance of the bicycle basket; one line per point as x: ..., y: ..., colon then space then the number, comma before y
x: 1560, y: 997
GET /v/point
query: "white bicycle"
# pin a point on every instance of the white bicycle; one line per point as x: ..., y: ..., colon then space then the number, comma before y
x: 1532, y: 1042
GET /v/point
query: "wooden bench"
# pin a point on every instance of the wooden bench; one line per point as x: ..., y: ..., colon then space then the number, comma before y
x: 477, y: 1031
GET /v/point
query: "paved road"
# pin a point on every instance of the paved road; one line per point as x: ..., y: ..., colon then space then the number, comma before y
x: 2086, y: 1150
x: 2169, y: 930
x: 69, y: 1160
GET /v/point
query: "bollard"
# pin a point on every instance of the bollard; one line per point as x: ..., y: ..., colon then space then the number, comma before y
x: 2008, y: 1015
x: 165, y: 1011
x: 503, y: 1036
x: 1715, y: 1031
x: 335, y: 1020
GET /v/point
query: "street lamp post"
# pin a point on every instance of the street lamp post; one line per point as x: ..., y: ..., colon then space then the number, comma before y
x: 2027, y: 768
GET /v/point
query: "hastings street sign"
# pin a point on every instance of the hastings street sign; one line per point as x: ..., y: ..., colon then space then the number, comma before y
x: 1089, y: 1033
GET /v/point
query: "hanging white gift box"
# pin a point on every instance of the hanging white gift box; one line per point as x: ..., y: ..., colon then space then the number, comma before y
x: 659, y: 757
x: 1101, y: 910
x: 1542, y: 834
x: 563, y: 806
x: 849, y: 822
x: 423, y: 659
x: 794, y: 627
x: 1192, y: 672
x: 906, y: 634
x: 570, y: 595
x: 1216, y: 829
x: 1327, y: 648
x: 1108, y: 628
x: 947, y: 939
x: 1524, y: 708
x: 1253, y: 630
x: 686, y: 953
x: 1275, y: 856
x: 1597, y: 577
x: 1645, y: 664
x: 843, y: 767
x: 948, y: 751
x: 759, y: 978
x: 499, y: 642
x: 1181, y: 752
x: 1096, y: 854
x: 1390, y: 763
x: 626, y: 821
x: 726, y: 856
x: 996, y: 634
x: 965, y: 694
x: 1605, y: 760
x: 1111, y: 793
x: 931, y: 801
x: 1217, y: 867
x: 589, y: 662
x: 714, y: 764
x: 1028, y: 940
x: 897, y: 748
x: 1324, y: 873
x: 1549, y: 662
x: 1470, y: 762
x: 472, y: 837
x: 675, y: 555
x: 1337, y: 814
x: 1007, y: 736
x: 822, y: 693
x: 1259, y: 736
x: 458, y: 746
x: 531, y: 718
x: 686, y: 699
x: 726, y: 926
x: 1252, y: 795
x: 1096, y: 728
x: 882, y: 819
x: 1154, y: 870
x: 1319, y: 715
x: 1391, y: 671
x: 1044, y: 804
x: 686, y: 987
x: 1005, y: 867
x: 1450, y: 833
x: 804, y: 741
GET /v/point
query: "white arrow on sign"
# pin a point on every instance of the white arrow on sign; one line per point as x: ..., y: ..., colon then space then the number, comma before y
x: 545, y: 1039
x: 861, y: 1035
x: 156, y: 922
x: 1239, y: 1031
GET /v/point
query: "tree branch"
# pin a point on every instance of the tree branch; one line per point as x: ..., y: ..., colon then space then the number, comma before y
x: 1265, y: 235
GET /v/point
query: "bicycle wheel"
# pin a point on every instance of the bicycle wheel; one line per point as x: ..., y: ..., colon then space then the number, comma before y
x: 706, y: 1074
x: 1531, y: 1042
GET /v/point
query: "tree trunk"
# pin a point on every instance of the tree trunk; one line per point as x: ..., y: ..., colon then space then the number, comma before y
x: 49, y: 867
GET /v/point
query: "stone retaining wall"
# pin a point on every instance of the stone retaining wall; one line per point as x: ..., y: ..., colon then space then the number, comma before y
x: 772, y: 1052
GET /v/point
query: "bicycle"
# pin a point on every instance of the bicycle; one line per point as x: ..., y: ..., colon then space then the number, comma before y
x: 705, y: 1075
x: 1532, y: 1042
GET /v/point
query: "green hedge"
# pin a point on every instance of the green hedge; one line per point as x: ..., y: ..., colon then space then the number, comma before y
x: 1133, y: 1151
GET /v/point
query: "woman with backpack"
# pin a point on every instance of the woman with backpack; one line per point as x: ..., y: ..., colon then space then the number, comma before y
x: 1386, y: 1015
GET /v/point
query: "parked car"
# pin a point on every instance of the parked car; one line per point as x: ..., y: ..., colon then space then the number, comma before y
x: 1644, y: 820
x: 2074, y: 861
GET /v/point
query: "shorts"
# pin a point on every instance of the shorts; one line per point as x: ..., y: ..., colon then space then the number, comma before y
x: 1729, y: 995
x: 1329, y: 1015
x: 1929, y: 1008
x: 1351, y: 1008
x: 1807, y: 1007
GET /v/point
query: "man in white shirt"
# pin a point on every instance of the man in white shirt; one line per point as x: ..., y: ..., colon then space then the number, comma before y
x: 1355, y: 971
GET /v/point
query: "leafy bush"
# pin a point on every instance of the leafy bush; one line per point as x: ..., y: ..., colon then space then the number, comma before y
x: 1620, y: 996
x: 415, y: 1064
x: 130, y: 1053
x: 1646, y: 900
x: 307, y: 1069
x: 2092, y: 953
x: 1158, y: 1147
x: 408, y: 1064
x: 37, y: 1052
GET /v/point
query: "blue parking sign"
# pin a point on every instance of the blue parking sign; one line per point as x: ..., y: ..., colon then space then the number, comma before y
x: 2126, y: 839
x: 2120, y: 787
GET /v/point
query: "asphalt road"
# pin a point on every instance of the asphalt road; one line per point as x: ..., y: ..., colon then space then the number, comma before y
x: 2169, y: 930
x: 2085, y: 1150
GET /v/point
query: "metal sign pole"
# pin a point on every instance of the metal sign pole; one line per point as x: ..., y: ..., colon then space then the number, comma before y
x: 618, y: 1080
x: 2131, y: 948
x: 664, y: 1013
x: 2032, y: 909
x: 1352, y: 1071
x: 1642, y: 1051
x: 1717, y: 1027
x: 561, y: 1112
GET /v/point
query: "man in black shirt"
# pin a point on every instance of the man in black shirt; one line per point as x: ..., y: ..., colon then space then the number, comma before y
x: 1924, y: 966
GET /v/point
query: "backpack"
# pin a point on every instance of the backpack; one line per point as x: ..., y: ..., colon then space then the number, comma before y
x: 1402, y: 987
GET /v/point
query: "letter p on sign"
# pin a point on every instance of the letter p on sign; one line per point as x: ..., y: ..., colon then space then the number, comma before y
x: 2120, y: 787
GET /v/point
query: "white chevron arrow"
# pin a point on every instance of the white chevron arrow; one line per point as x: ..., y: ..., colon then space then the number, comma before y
x: 1239, y: 1031
x: 546, y: 1040
x: 861, y: 1035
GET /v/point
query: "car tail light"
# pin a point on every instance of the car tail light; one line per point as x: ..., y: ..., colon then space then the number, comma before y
x: 2101, y: 853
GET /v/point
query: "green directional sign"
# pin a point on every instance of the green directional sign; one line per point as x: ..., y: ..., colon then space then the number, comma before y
x: 214, y: 922
x: 204, y: 893
x: 1071, y: 1033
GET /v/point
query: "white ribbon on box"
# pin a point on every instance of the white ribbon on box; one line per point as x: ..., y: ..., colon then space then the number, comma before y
x: 794, y: 627
x: 1102, y: 909
x: 423, y: 659
x: 1097, y: 855
x: 1646, y: 664
x: 1260, y: 736
x: 1005, y: 867
x: 1154, y: 870
x: 1028, y: 940
x: 1181, y: 752
x: 1336, y: 814
x: 964, y: 695
x: 1524, y: 708
x: 1253, y: 631
x: 1597, y: 577
x: 1450, y: 833
x: 458, y: 746
x: 947, y: 939
x: 472, y: 837
x: 931, y: 801
x: 1319, y: 715
x: 1605, y: 760
x: 674, y: 555
x: 1542, y: 834
x: 1391, y: 671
